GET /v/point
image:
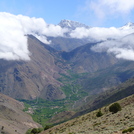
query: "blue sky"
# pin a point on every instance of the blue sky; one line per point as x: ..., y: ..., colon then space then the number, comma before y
x: 103, y: 13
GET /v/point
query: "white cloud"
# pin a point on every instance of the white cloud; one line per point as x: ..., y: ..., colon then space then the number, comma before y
x: 123, y: 53
x: 119, y: 41
x: 98, y: 33
x: 13, y: 39
x: 13, y: 42
x: 122, y: 48
x: 103, y: 8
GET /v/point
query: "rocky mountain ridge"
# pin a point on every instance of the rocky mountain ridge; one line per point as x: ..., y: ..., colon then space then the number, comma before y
x: 71, y: 24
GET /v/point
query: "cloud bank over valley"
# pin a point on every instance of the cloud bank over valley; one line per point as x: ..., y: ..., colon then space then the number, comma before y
x: 14, y: 28
x: 13, y: 31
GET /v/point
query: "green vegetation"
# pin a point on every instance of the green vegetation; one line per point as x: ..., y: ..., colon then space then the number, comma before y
x: 99, y: 113
x: 128, y: 130
x: 71, y: 87
x: 73, y: 92
x: 114, y: 108
x: 34, y: 131
x: 47, y: 127
x: 38, y: 130
x: 44, y: 110
x: 27, y: 106
x: 70, y: 77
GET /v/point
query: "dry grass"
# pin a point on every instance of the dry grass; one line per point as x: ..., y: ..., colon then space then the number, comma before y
x: 107, y: 124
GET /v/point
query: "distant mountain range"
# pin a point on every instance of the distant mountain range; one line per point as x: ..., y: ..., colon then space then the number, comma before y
x: 72, y: 25
x: 68, y: 43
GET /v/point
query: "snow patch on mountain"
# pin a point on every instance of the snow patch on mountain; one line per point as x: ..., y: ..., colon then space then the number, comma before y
x: 128, y: 26
x: 71, y: 24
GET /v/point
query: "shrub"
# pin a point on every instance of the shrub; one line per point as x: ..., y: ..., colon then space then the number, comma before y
x: 47, y: 127
x: 114, y: 108
x: 99, y: 113
x: 34, y: 131
x: 128, y: 130
x: 40, y: 130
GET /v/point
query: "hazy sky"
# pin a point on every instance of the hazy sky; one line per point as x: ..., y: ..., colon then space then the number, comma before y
x: 104, y: 13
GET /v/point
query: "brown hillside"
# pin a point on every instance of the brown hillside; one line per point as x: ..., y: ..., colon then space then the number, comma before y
x: 107, y: 124
x: 12, y: 119
x: 34, y: 78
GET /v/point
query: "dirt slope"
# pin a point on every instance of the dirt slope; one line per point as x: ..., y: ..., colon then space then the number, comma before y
x: 12, y: 119
x: 107, y: 124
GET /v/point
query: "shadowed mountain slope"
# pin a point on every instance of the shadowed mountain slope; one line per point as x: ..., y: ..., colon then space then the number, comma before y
x: 114, y: 94
x: 83, y: 59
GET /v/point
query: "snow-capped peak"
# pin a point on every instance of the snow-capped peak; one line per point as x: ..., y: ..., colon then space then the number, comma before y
x: 71, y: 24
x: 129, y: 25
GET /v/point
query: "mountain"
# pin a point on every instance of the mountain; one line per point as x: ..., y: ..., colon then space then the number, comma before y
x: 96, y: 99
x: 66, y: 43
x: 108, y: 123
x: 39, y: 76
x: 12, y: 119
x: 129, y: 25
x: 115, y: 93
x: 108, y: 77
x: 71, y: 24
x: 55, y: 83
x: 34, y: 78
x: 83, y: 59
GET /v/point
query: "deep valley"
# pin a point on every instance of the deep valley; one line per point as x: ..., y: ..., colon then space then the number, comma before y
x: 67, y: 80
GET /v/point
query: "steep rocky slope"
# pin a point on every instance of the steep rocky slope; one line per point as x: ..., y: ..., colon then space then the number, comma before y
x: 12, y: 119
x: 34, y: 78
x: 108, y: 123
